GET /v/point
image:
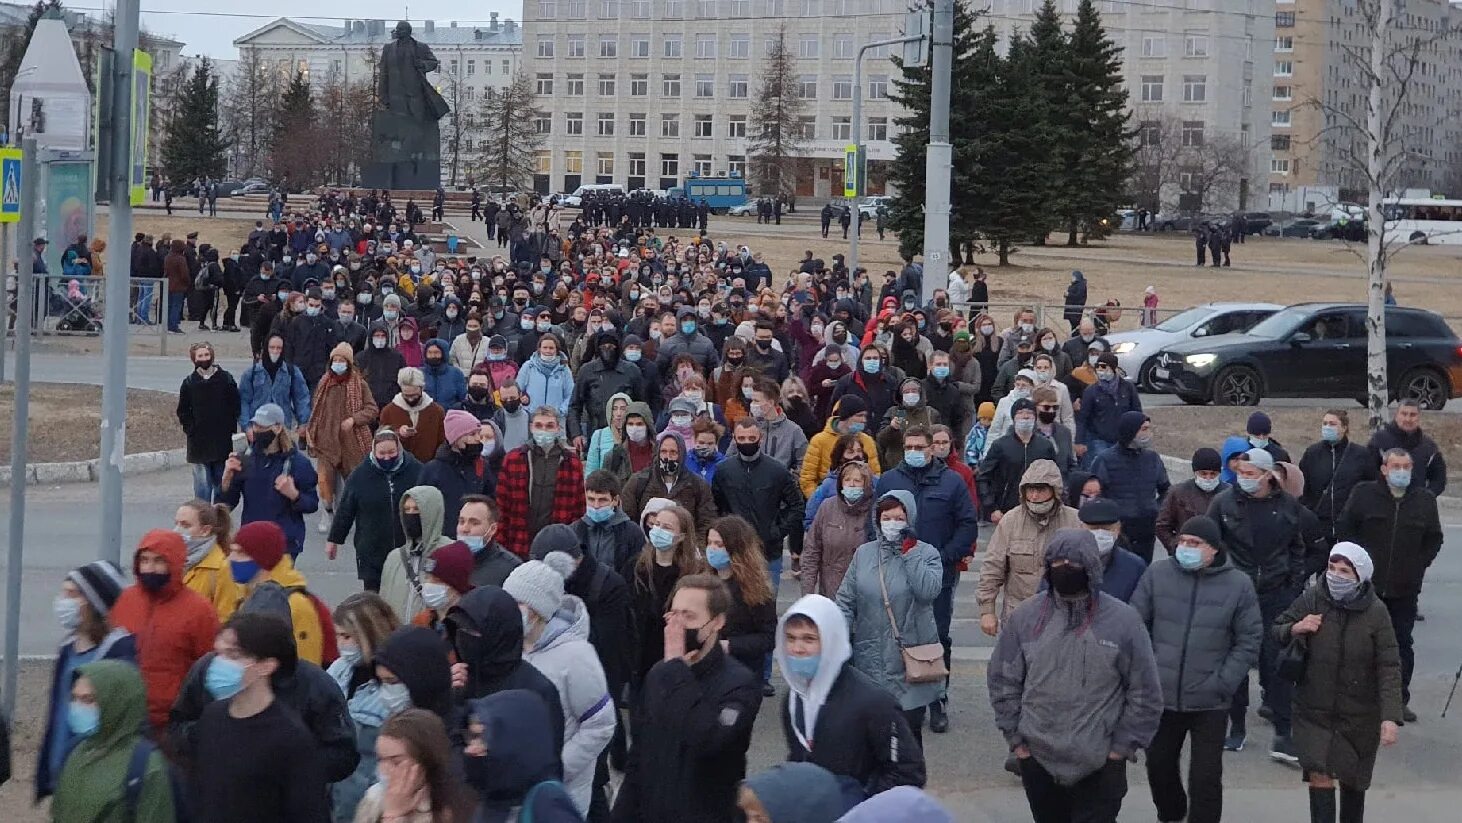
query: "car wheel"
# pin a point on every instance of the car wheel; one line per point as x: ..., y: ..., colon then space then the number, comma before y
x: 1144, y: 375
x: 1236, y: 386
x: 1426, y: 386
x: 1193, y: 399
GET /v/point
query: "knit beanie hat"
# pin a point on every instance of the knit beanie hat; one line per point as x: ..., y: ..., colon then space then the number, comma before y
x: 100, y: 583
x: 1259, y: 424
x: 451, y: 564
x: 1204, y: 528
x: 458, y: 424
x: 263, y: 541
x: 1206, y: 460
x: 849, y: 405
x: 986, y: 411
x: 536, y: 585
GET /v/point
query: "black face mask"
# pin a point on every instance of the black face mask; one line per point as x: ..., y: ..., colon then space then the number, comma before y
x: 153, y: 581
x: 734, y: 362
x: 478, y: 393
x: 1047, y: 417
x: 511, y: 406
x: 669, y: 466
x: 749, y: 450
x: 692, y: 639
x: 263, y: 440
x: 434, y: 361
x: 203, y: 365
x: 472, y: 451
x: 1068, y: 581
x: 411, y: 525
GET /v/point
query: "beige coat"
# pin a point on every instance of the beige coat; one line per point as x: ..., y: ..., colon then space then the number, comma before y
x: 1014, y: 558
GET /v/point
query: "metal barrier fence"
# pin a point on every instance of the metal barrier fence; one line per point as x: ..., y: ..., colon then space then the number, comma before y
x: 74, y: 306
x: 1053, y: 315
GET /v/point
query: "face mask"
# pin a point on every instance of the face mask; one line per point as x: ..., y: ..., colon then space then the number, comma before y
x: 941, y: 372
x: 478, y: 393
x: 1043, y: 376
x: 203, y: 365
x: 911, y: 399
x: 1105, y: 541
x: 693, y: 640
x: 1027, y: 327
x: 1046, y: 417
x: 748, y: 451
x: 390, y: 314
x: 1092, y: 361
x: 1142, y: 441
x: 1024, y: 426
x: 632, y: 355
x: 687, y: 329
x: 734, y: 362
x: 545, y: 440
x: 1106, y: 376
x: 1048, y: 345
x: 411, y: 525
x: 434, y: 595
x: 512, y: 406
x: 1041, y: 508
x: 1188, y: 557
x: 1341, y: 588
x: 434, y: 361
x: 339, y: 368
x: 852, y: 494
x: 669, y: 466
x: 802, y: 667
x: 892, y: 530
x: 661, y: 538
x: 224, y: 678
x: 83, y: 720
x: 1068, y: 581
x: 745, y: 393
x: 872, y: 366
x: 1330, y: 434
x: 283, y: 296
x: 1259, y: 442
x: 525, y: 325
x: 474, y: 542
x: 451, y: 314
x: 496, y: 357
x: 545, y: 327
x: 718, y: 558
x: 705, y: 452
x: 68, y: 612
x: 472, y: 451
x: 636, y: 433
x: 1249, y: 485
x: 916, y: 459
x: 1399, y: 478
x: 346, y: 319
x: 598, y: 514
x: 153, y: 581
x: 395, y: 697
x: 1207, y: 484
x: 1020, y: 393
x: 328, y: 294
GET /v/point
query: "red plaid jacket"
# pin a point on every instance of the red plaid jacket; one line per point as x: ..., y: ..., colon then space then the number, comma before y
x: 513, y: 483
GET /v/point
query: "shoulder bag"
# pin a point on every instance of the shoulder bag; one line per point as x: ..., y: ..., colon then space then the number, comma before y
x: 922, y: 664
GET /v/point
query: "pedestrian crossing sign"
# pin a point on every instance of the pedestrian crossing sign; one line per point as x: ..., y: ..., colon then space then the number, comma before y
x: 9, y: 185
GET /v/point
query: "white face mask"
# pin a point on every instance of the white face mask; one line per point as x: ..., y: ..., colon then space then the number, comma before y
x: 434, y: 595
x: 1105, y: 541
x: 892, y: 529
x: 1207, y: 484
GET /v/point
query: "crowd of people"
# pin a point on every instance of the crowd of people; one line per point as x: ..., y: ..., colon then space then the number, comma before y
x: 570, y: 476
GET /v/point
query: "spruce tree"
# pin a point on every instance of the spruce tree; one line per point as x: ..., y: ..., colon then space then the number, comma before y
x: 775, y: 142
x: 1098, y: 137
x: 295, y: 153
x: 192, y: 146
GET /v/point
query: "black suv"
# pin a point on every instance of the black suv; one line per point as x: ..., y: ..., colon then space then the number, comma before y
x: 1315, y: 350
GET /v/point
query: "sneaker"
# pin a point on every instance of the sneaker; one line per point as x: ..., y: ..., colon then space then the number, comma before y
x: 1235, y: 740
x: 1283, y: 751
x: 176, y: 331
x: 939, y: 716
x: 1407, y: 715
x: 768, y: 690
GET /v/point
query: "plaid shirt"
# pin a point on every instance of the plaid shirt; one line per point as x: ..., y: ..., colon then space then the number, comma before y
x: 514, y: 482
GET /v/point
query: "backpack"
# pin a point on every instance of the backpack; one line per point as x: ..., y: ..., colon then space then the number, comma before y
x: 137, y: 774
x: 272, y: 598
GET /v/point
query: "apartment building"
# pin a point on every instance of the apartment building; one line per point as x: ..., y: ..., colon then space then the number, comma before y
x: 1319, y: 92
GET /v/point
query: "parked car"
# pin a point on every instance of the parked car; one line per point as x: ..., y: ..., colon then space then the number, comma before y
x: 1137, y: 350
x: 575, y: 199
x: 1186, y: 222
x: 1299, y: 227
x: 1255, y: 222
x: 1352, y: 230
x: 745, y: 209
x: 1315, y: 350
x: 870, y: 206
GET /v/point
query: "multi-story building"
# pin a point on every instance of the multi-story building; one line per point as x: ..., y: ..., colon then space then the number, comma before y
x: 1321, y: 52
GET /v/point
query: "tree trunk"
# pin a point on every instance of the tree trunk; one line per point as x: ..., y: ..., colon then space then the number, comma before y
x: 1377, y: 394
x: 1071, y: 233
x: 1004, y: 248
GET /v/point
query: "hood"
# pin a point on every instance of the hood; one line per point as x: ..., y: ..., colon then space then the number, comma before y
x: 436, y: 343
x: 169, y: 544
x: 1042, y: 473
x: 1128, y: 425
x: 433, y: 510
x: 798, y: 793
x: 518, y: 736
x: 491, y: 614
x: 678, y: 440
x: 1077, y: 546
x: 379, y: 326
x: 906, y: 498
x: 836, y: 650
x: 1075, y: 480
x: 1291, y: 479
x: 643, y: 410
x: 121, y: 699
x: 570, y: 622
x: 285, y: 574
x: 901, y: 804
x: 419, y: 658
x: 1232, y: 445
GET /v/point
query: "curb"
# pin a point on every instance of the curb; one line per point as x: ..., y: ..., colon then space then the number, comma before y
x: 88, y: 471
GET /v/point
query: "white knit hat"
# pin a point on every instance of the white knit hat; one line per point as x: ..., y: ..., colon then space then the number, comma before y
x: 536, y: 585
x: 1358, y: 557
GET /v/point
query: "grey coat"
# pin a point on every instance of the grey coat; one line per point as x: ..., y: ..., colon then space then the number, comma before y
x: 1074, y: 679
x: 1205, y: 627
x: 913, y: 579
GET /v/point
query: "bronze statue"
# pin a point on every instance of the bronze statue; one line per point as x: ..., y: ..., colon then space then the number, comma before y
x: 406, y: 136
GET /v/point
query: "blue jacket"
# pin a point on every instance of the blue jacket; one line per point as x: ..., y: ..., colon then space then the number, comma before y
x: 1232, y: 445
x: 947, y: 519
x: 706, y: 469
x: 445, y: 383
x: 255, y: 485
x: 1134, y: 479
x: 827, y: 488
x: 117, y: 645
x: 547, y: 385
x: 287, y: 389
x: 1102, y: 409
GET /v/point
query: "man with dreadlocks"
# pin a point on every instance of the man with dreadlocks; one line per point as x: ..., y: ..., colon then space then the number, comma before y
x: 1075, y: 687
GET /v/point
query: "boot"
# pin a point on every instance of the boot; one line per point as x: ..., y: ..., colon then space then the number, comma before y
x: 1352, y: 805
x: 1322, y: 805
x: 939, y: 716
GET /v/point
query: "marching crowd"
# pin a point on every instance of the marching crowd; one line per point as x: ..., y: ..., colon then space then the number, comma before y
x: 569, y: 475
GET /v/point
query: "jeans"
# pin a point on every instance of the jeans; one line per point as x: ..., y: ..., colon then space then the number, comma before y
x: 1403, y: 621
x: 208, y: 480
x: 943, y: 616
x: 1094, y: 448
x: 1096, y: 798
x: 175, y: 310
x: 774, y: 570
x: 144, y: 305
x: 1277, y: 690
x: 1203, y: 801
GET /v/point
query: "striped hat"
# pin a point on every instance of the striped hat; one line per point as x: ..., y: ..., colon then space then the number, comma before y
x: 101, y: 583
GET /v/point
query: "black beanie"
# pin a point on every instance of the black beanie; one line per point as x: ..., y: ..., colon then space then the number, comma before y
x: 1206, y: 460
x: 1204, y: 527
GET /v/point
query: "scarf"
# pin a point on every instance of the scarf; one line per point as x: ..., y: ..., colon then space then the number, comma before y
x: 355, y: 392
x: 198, y: 548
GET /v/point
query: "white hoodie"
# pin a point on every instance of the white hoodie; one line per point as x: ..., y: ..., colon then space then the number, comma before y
x: 832, y: 626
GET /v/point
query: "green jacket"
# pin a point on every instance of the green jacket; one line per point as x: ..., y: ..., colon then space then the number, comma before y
x: 91, y: 788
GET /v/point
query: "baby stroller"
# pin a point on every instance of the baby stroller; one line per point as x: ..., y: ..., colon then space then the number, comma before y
x: 73, y: 309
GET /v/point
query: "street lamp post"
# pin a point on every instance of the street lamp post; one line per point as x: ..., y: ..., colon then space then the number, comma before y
x: 858, y: 135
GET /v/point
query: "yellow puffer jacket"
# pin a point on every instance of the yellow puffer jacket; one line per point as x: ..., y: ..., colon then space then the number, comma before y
x: 819, y: 458
x: 309, y: 635
x: 213, y: 579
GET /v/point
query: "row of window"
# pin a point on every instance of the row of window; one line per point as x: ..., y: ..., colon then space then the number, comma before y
x: 707, y: 9
x: 1156, y: 45
x: 1195, y: 88
x: 605, y: 163
x: 738, y: 86
x: 807, y: 45
x: 470, y: 66
x: 606, y: 124
x: 1150, y: 133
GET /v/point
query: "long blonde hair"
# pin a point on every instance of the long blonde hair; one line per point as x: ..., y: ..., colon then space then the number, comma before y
x: 368, y: 617
x: 687, y: 557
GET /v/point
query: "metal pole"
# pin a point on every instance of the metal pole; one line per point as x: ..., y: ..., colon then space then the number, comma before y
x: 20, y: 429
x: 858, y: 133
x: 5, y: 272
x: 940, y: 154
x: 118, y: 292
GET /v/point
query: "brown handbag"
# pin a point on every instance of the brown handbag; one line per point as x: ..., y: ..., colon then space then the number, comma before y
x: 922, y: 664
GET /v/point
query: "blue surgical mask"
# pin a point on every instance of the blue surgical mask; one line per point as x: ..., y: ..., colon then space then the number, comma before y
x: 83, y: 720
x: 632, y: 355
x: 1399, y: 478
x: 856, y: 428
x: 1259, y: 442
x: 872, y: 366
x: 1207, y: 484
x: 395, y: 697
x: 1330, y: 434
x: 802, y: 667
x: 941, y: 372
x: 687, y: 329
x: 224, y: 678
x: 1249, y: 485
x: 1106, y: 376
x: 597, y: 514
x: 916, y: 459
x: 312, y: 311
x: 474, y: 542
x: 1189, y: 557
x: 339, y: 368
x: 718, y: 558
x: 661, y: 538
x: 852, y: 494
x: 243, y: 570
x: 350, y: 654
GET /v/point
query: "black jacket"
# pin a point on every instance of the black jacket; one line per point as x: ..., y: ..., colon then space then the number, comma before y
x: 354, y: 334
x: 611, y: 629
x: 595, y: 383
x: 1264, y: 536
x: 1403, y: 534
x: 309, y: 692
x: 369, y: 504
x: 1427, y: 460
x: 208, y: 411
x: 692, y: 729
x: 860, y: 734
x: 307, y: 344
x: 454, y: 475
x: 1331, y: 472
x: 765, y: 494
x: 1000, y: 470
x: 944, y: 397
x: 751, y: 631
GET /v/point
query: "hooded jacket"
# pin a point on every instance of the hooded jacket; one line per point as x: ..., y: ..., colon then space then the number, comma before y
x: 311, y: 642
x: 848, y: 724
x: 606, y: 597
x: 1206, y: 630
x: 1074, y: 679
x: 1132, y: 477
x: 913, y: 578
x: 210, y: 577
x: 91, y: 787
x: 286, y: 389
x: 444, y: 382
x: 601, y: 441
x: 454, y: 474
x: 420, y: 659
x: 427, y: 417
x: 174, y: 626
x: 687, y: 490
x: 798, y: 793
x: 564, y: 655
x: 547, y: 385
x: 597, y: 383
x: 369, y: 505
x: 486, y: 631
x: 117, y: 645
x: 401, y: 573
x: 1101, y: 410
x: 621, y: 459
x: 1232, y: 445
x: 838, y: 528
x: 519, y: 759
x: 1014, y: 561
x: 380, y: 366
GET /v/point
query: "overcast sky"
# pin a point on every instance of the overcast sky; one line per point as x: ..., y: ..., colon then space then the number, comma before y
x: 209, y: 26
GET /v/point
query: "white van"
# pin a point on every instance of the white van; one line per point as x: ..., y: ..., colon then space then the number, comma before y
x: 575, y: 199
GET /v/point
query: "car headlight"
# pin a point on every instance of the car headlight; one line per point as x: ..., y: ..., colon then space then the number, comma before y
x: 1124, y: 348
x: 1200, y: 361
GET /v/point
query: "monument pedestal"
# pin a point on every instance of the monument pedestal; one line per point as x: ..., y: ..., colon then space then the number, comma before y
x: 408, y: 153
